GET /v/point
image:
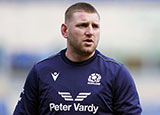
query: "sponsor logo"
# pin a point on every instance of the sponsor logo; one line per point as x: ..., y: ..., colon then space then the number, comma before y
x: 94, y: 79
x: 80, y: 97
x: 76, y: 106
x: 54, y: 75
x: 66, y: 95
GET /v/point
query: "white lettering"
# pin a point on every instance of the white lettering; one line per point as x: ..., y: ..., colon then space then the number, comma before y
x: 59, y: 107
x: 56, y: 107
x: 51, y: 106
x: 77, y: 107
x: 95, y: 109
x: 89, y: 108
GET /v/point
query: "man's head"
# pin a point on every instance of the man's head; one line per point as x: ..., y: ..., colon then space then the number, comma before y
x: 81, y: 29
x: 79, y: 7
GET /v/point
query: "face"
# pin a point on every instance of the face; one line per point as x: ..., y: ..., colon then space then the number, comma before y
x: 82, y: 33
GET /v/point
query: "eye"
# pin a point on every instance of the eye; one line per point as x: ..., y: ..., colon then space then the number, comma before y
x: 82, y: 25
x: 95, y: 25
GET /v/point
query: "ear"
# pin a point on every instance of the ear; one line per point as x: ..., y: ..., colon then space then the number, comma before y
x: 64, y: 30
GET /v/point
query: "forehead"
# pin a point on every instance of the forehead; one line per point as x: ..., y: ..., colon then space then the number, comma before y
x: 84, y: 16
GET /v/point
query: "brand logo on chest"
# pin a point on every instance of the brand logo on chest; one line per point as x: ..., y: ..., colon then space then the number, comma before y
x: 80, y: 97
x: 94, y: 79
x: 54, y: 75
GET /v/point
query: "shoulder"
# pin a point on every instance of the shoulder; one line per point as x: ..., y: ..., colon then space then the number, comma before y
x: 49, y: 58
x: 108, y: 60
x: 117, y: 69
x: 114, y: 67
x: 44, y: 66
x: 48, y: 62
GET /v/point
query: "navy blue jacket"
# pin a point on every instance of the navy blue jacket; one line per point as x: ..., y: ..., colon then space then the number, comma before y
x: 58, y: 86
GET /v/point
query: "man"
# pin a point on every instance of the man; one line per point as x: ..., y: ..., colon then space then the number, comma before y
x: 79, y: 80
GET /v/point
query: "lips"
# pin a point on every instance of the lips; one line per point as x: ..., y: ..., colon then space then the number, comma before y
x: 88, y: 41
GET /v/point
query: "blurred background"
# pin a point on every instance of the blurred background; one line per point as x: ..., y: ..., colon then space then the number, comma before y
x: 30, y: 32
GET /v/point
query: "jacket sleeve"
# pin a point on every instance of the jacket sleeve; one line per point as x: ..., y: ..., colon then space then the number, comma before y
x: 126, y: 99
x: 28, y: 102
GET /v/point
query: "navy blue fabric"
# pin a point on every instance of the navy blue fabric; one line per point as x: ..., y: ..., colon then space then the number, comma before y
x: 104, y: 87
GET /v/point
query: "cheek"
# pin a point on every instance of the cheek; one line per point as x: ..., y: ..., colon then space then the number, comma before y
x: 98, y: 32
x: 75, y: 36
x: 97, y: 35
x: 79, y: 32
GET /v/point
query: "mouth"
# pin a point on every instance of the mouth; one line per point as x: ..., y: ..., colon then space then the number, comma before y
x: 88, y: 41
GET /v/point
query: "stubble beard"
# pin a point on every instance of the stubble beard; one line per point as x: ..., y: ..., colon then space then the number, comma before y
x: 84, y: 51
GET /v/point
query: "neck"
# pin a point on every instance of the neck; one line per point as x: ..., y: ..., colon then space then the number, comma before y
x: 78, y: 57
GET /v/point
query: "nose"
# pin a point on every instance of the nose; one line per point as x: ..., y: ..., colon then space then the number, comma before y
x: 89, y: 31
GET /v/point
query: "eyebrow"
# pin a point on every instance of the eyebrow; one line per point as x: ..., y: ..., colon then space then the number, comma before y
x: 86, y: 23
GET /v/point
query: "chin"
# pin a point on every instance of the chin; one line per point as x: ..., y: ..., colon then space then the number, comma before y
x: 88, y: 51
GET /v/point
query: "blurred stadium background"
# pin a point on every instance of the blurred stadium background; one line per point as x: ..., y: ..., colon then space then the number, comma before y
x: 130, y: 33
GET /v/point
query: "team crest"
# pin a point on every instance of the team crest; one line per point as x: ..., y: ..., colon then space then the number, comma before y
x: 94, y: 79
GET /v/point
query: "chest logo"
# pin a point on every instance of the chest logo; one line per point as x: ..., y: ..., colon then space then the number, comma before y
x: 76, y: 106
x: 80, y: 97
x: 94, y: 79
x: 55, y: 75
